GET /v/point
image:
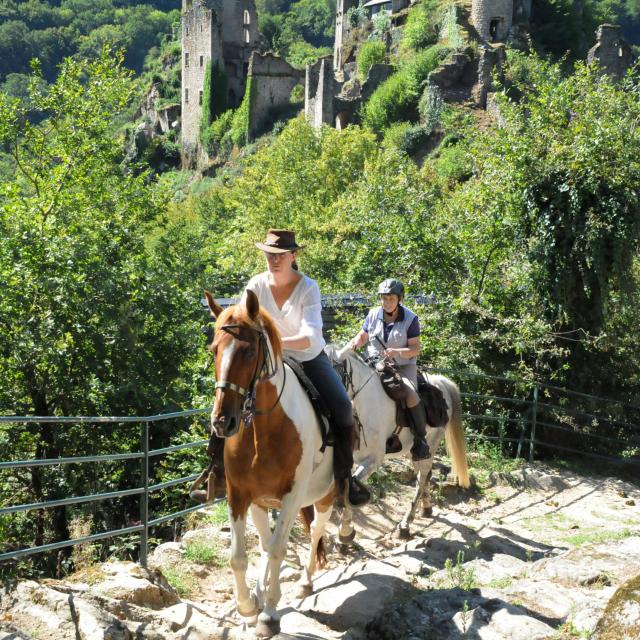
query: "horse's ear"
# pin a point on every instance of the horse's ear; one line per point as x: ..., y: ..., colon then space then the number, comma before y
x: 252, y: 304
x: 214, y: 307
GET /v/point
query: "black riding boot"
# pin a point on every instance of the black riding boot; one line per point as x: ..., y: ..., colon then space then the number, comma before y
x: 214, y: 475
x: 420, y: 448
x: 350, y: 488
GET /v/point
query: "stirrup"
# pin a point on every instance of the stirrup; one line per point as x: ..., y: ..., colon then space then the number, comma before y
x: 420, y: 450
x: 214, y: 490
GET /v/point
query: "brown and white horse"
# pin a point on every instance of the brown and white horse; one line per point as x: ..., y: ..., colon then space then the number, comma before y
x: 377, y: 414
x: 272, y: 453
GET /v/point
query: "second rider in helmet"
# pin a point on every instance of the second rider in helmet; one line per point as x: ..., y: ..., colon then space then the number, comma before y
x: 394, y: 331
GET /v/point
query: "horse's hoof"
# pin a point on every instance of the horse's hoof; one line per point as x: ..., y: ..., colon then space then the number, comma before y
x: 249, y: 610
x: 427, y: 512
x: 304, y: 591
x: 348, y: 539
x: 403, y: 533
x: 267, y: 627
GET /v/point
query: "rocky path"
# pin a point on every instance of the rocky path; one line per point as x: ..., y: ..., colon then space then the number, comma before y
x: 535, y: 554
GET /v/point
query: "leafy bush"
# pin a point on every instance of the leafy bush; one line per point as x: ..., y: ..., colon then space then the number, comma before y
x: 421, y: 29
x: 381, y: 24
x: 356, y: 15
x: 393, y: 100
x: 240, y: 120
x: 397, y: 97
x: 297, y: 94
x: 430, y: 106
x: 301, y: 53
x: 371, y: 52
x: 406, y: 137
x: 453, y: 163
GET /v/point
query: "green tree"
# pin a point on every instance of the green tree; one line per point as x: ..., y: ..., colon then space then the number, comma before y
x: 92, y: 320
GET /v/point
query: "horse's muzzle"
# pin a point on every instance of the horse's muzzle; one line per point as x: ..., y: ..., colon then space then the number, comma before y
x: 224, y: 426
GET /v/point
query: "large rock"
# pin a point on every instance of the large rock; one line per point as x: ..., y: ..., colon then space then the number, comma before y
x: 131, y: 583
x: 621, y: 617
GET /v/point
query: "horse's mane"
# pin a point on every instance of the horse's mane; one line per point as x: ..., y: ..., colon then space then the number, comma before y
x: 238, y: 313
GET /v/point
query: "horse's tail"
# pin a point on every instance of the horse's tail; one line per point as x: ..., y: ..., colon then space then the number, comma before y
x: 307, y: 514
x: 454, y: 434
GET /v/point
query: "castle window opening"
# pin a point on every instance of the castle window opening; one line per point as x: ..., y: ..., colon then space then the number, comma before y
x: 494, y: 26
x: 202, y: 61
x: 186, y: 59
x: 200, y: 27
x: 619, y: 52
x: 186, y: 29
x: 200, y: 97
x: 246, y: 19
x: 186, y: 96
x: 245, y: 69
x: 247, y: 38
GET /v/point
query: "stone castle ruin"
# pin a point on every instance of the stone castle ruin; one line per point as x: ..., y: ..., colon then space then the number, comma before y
x: 611, y: 52
x: 217, y: 32
x: 224, y: 33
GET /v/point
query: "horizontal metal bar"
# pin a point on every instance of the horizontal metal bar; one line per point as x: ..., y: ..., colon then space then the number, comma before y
x: 598, y: 456
x: 482, y: 396
x: 179, y: 514
x: 578, y: 432
x: 66, y: 501
x: 177, y: 447
x: 575, y: 413
x: 20, y: 553
x: 531, y: 383
x: 497, y: 438
x: 104, y: 419
x: 49, y: 462
x: 492, y: 418
x: 172, y: 483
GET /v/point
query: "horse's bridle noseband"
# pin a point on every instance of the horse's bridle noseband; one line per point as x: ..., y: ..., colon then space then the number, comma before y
x: 267, y: 371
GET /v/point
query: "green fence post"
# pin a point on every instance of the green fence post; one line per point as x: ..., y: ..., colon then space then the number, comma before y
x: 534, y: 417
x: 144, y: 497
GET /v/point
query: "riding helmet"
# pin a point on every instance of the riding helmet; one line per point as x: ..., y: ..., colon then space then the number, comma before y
x: 391, y: 286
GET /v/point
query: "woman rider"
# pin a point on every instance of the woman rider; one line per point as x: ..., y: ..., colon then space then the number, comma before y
x: 293, y: 301
x: 394, y: 331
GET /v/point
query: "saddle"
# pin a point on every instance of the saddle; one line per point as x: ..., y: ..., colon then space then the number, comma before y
x: 317, y: 402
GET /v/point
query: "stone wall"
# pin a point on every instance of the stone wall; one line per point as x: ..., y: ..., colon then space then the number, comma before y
x: 492, y: 19
x: 611, y: 52
x: 272, y: 79
x: 201, y: 43
x: 318, y: 93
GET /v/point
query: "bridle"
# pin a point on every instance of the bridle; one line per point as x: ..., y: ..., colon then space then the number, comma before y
x: 267, y: 371
x: 345, y: 371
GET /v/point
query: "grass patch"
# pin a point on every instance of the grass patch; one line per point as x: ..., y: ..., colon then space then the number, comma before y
x: 459, y: 576
x: 597, y: 535
x: 500, y: 583
x: 181, y: 579
x: 380, y: 483
x: 204, y: 552
x: 486, y: 458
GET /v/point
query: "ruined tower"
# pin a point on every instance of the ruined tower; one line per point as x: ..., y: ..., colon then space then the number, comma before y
x: 343, y: 28
x: 492, y: 19
x: 611, y: 51
x: 217, y: 31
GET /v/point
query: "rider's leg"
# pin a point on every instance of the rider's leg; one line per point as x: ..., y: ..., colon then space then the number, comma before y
x: 417, y: 413
x: 217, y: 482
x: 330, y: 387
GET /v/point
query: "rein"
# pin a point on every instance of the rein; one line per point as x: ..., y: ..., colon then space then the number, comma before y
x: 267, y: 371
x: 347, y: 379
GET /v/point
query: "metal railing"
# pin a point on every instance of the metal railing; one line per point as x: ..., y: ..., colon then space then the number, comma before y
x: 144, y: 490
x: 544, y: 418
x: 519, y: 414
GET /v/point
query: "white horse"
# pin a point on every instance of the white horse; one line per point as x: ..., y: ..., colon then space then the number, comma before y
x: 377, y: 414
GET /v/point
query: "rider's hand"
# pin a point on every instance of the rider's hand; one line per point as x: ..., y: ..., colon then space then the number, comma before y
x: 352, y: 344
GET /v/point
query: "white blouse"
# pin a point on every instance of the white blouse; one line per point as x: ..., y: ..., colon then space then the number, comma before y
x: 300, y: 315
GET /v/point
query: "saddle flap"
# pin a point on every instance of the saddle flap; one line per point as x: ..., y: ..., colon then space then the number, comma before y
x: 317, y: 402
x: 434, y: 402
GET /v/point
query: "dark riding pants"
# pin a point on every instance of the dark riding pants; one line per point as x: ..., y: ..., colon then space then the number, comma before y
x: 329, y: 386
